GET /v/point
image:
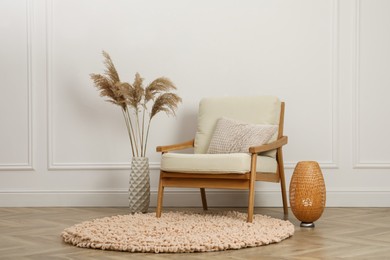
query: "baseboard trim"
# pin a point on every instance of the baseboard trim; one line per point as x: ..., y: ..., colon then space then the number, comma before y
x: 181, y: 198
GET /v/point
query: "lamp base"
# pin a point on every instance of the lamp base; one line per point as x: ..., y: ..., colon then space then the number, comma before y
x: 307, y: 224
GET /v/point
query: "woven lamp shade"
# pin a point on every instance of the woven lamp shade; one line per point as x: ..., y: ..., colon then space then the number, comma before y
x: 307, y: 193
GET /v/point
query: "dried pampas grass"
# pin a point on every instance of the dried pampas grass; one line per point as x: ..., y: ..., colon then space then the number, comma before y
x: 134, y: 101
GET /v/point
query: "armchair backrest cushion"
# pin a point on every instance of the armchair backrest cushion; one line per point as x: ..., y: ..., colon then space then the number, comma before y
x: 264, y: 110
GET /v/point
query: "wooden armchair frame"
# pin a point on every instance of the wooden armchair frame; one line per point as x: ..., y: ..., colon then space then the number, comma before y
x: 244, y: 181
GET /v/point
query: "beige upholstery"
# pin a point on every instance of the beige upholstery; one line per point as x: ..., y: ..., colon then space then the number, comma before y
x: 240, y: 108
x: 215, y: 163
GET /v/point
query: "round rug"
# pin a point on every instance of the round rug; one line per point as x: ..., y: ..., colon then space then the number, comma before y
x: 178, y: 232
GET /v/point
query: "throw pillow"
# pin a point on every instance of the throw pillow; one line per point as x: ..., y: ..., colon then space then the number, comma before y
x: 232, y: 136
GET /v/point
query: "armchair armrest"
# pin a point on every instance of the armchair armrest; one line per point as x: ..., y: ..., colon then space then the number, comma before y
x: 174, y: 147
x: 267, y: 147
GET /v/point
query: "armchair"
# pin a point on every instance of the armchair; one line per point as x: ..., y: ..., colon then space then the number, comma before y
x: 236, y: 170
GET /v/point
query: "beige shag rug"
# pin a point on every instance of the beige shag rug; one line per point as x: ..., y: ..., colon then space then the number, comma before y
x: 178, y: 232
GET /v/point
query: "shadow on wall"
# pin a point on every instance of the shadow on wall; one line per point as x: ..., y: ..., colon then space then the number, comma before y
x: 186, y: 129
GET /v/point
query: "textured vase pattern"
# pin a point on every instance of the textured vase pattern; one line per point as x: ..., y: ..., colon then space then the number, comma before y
x: 307, y: 191
x: 139, y: 185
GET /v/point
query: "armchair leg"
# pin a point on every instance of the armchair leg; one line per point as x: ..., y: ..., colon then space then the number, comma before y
x: 251, y: 202
x: 283, y: 183
x: 160, y: 197
x: 204, y: 199
x: 251, y: 205
x: 284, y: 196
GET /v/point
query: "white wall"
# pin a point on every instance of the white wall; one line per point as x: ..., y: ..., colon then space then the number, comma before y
x: 62, y: 145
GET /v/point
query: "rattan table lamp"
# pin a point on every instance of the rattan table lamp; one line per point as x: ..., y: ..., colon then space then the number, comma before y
x: 307, y: 192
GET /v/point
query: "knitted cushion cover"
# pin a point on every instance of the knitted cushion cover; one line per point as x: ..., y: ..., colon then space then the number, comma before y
x: 232, y: 136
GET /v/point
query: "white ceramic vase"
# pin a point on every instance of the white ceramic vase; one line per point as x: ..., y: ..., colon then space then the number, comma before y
x: 139, y: 185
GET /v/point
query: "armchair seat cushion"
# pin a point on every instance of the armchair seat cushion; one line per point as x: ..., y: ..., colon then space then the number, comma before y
x: 215, y: 163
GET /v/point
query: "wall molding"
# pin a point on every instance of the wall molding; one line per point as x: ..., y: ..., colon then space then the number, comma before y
x: 51, y: 163
x: 355, y: 86
x: 333, y: 163
x: 99, y: 166
x: 335, y: 21
x: 357, y: 162
x: 49, y: 33
x: 29, y: 164
x: 180, y: 198
x: 335, y: 79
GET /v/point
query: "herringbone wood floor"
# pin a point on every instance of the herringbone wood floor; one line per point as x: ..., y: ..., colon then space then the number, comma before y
x: 359, y: 233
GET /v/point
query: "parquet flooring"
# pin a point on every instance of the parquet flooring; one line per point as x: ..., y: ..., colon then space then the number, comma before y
x: 358, y: 233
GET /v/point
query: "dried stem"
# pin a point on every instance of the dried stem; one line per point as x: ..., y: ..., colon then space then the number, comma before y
x: 139, y: 132
x: 128, y: 130
x: 147, y: 133
x: 132, y: 132
x: 143, y: 127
